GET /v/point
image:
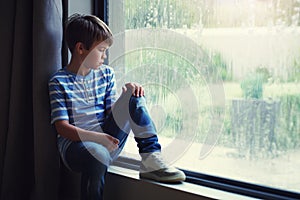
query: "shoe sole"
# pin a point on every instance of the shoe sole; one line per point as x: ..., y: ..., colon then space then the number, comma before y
x: 173, y: 179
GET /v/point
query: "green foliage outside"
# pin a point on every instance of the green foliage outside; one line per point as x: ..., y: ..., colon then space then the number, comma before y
x: 167, y: 73
x: 289, y: 122
x: 252, y: 86
x: 208, y: 13
x: 272, y: 134
x: 214, y: 69
x: 159, y: 14
x: 294, y: 74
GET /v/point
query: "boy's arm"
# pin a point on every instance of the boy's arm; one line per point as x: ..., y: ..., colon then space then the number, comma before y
x: 77, y: 134
x: 59, y: 117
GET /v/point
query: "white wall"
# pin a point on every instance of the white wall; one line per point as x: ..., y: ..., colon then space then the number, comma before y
x: 76, y: 6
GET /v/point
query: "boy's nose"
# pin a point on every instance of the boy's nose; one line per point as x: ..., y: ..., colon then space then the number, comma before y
x: 104, y: 55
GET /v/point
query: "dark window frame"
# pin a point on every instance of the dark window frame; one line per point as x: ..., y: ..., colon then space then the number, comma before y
x: 100, y: 9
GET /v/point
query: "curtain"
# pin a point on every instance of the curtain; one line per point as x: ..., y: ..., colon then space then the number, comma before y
x: 31, y: 49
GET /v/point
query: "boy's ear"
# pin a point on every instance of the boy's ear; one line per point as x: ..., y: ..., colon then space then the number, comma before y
x: 79, y: 47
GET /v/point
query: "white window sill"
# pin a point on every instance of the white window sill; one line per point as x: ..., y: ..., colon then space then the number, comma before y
x: 185, y: 187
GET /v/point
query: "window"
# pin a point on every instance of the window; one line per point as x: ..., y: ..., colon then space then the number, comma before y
x: 222, y: 82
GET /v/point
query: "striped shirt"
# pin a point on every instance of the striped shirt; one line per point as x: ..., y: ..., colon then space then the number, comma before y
x: 82, y: 100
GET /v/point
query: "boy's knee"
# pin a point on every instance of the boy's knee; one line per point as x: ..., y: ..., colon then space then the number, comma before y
x: 99, y: 153
x: 137, y: 101
x: 138, y: 111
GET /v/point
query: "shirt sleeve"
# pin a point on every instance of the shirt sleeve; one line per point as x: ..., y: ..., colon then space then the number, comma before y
x: 110, y: 96
x: 57, y: 101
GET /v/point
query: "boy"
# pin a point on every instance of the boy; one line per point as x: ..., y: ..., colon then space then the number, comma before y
x: 92, y: 125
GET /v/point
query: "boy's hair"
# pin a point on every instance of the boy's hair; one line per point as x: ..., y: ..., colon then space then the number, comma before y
x: 86, y: 29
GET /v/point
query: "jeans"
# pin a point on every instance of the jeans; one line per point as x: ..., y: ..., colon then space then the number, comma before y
x: 92, y: 159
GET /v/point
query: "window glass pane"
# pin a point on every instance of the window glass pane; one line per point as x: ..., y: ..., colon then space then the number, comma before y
x: 222, y: 81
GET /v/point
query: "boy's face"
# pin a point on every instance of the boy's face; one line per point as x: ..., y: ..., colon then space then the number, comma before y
x: 95, y: 56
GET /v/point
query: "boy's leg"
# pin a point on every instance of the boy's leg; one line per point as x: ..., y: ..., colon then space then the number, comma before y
x: 143, y: 127
x: 91, y: 159
x: 130, y: 112
x: 152, y: 166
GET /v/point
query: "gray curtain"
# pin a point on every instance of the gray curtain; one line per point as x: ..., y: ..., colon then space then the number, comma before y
x: 31, y: 46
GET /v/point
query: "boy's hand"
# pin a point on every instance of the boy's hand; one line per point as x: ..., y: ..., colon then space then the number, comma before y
x: 73, y: 133
x: 108, y: 141
x: 136, y: 89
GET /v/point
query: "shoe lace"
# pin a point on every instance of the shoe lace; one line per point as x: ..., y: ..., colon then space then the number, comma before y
x: 158, y: 159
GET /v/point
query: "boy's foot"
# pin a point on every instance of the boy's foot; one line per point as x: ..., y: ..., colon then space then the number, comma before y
x: 154, y: 168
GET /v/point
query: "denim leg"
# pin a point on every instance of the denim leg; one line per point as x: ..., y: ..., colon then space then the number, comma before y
x: 83, y: 157
x: 144, y: 130
x: 118, y: 130
x: 130, y: 112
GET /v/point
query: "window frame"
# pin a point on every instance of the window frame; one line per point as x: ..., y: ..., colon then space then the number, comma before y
x: 101, y: 9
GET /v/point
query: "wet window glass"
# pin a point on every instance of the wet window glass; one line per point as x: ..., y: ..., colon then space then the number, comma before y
x: 222, y: 81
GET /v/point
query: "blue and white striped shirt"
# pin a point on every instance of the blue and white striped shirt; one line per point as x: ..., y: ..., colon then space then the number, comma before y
x: 82, y: 100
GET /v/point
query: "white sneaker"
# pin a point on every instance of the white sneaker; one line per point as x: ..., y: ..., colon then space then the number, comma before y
x: 154, y: 168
